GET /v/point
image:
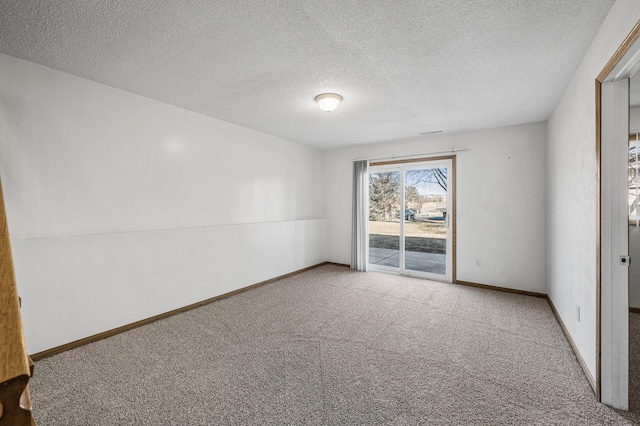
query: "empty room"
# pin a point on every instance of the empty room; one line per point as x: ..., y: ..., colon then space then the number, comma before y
x: 336, y: 213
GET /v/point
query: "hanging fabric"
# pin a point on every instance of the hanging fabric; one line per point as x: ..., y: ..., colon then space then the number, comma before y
x: 360, y: 215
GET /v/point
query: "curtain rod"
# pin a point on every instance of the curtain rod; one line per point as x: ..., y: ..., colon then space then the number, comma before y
x: 393, y: 157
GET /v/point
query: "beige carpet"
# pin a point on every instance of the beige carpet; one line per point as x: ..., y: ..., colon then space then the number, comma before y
x: 331, y: 347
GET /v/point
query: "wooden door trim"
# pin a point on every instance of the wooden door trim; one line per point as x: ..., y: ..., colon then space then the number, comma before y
x: 15, y: 365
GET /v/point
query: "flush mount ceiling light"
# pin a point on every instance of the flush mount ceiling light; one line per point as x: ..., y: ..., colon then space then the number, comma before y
x: 328, y: 101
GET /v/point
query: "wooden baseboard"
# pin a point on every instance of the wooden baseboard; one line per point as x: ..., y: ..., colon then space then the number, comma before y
x: 94, y: 338
x: 503, y: 289
x: 634, y: 310
x: 574, y: 348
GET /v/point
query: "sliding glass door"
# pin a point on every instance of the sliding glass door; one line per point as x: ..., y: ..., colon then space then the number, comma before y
x: 410, y: 219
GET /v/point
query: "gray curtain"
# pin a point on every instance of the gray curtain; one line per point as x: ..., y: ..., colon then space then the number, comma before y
x: 360, y: 215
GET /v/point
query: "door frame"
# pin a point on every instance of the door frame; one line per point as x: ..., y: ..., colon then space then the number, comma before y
x: 619, y: 67
x: 451, y: 186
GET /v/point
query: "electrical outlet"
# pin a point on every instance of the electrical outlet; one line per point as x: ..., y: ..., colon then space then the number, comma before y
x: 578, y: 312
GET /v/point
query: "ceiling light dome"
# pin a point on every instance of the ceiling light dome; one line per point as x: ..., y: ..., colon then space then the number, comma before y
x: 328, y: 101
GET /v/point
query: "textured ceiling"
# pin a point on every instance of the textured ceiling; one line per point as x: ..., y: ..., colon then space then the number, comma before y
x: 403, y: 67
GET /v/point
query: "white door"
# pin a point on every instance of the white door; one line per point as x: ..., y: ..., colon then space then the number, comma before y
x: 615, y: 244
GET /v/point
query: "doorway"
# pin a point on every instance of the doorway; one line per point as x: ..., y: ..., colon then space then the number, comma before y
x: 613, y: 197
x: 411, y: 218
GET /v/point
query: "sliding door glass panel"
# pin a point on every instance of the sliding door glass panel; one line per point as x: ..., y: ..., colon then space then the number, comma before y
x: 425, y: 215
x: 384, y: 219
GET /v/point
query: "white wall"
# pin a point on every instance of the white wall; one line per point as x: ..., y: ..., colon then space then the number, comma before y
x: 501, y: 201
x: 634, y: 120
x: 572, y: 186
x: 120, y: 207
